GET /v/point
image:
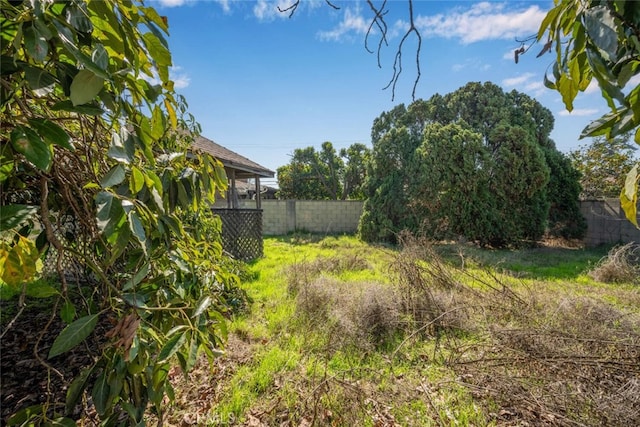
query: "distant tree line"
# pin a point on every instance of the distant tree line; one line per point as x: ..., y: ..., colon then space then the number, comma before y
x: 604, y: 165
x: 325, y: 174
x: 477, y: 163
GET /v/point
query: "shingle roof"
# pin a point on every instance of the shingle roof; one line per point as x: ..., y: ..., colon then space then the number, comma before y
x: 244, y: 167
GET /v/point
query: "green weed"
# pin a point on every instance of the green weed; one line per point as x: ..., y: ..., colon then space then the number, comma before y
x: 350, y: 334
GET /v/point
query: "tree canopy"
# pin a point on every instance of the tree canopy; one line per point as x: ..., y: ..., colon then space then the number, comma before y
x: 95, y: 179
x: 590, y: 39
x: 324, y: 174
x: 603, y: 164
x: 476, y: 163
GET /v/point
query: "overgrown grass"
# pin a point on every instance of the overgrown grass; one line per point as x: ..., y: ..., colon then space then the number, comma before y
x: 343, y: 333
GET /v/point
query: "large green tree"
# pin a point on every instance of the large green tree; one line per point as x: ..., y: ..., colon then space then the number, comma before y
x: 590, y: 39
x: 603, y: 165
x: 395, y: 136
x: 324, y: 174
x: 477, y: 163
x: 94, y: 173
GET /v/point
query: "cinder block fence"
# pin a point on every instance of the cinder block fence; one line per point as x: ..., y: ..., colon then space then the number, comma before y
x: 605, y: 219
x: 606, y: 223
x: 315, y: 216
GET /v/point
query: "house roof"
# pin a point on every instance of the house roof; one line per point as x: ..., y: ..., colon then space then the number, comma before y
x: 244, y: 168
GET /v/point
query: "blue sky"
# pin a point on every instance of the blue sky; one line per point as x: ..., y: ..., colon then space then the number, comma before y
x: 263, y: 84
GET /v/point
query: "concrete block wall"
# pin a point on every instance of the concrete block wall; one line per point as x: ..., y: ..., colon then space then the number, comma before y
x: 315, y: 216
x: 605, y: 219
x: 606, y: 223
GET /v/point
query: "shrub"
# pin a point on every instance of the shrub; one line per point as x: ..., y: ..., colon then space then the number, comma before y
x: 621, y: 265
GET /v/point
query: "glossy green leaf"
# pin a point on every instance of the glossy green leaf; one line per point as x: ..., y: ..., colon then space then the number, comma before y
x: 601, y: 126
x: 137, y: 180
x: 158, y: 52
x: 158, y: 123
x: 85, y: 87
x: 135, y: 300
x: 118, y: 149
x: 138, y: 229
x: 25, y: 415
x: 52, y: 133
x: 628, y: 70
x: 68, y: 40
x: 35, y: 43
x: 100, y: 57
x: 100, y: 394
x: 601, y: 27
x: 41, y: 290
x: 28, y: 143
x: 110, y: 213
x: 42, y: 29
x: 8, y: 65
x: 202, y: 306
x: 13, y: 215
x: 77, y: 387
x: 192, y: 356
x: 137, y: 278
x: 73, y: 335
x: 629, y: 195
x: 77, y: 16
x: 115, y: 176
x: 172, y: 346
x: 68, y: 312
x: 40, y: 81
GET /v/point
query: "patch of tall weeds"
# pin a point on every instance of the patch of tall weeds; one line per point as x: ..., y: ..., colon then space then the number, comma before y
x: 621, y: 265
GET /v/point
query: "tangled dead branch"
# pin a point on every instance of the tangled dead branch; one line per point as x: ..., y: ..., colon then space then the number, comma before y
x: 621, y: 265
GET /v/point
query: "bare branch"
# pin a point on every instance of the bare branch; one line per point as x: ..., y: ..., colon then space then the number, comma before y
x: 332, y: 5
x: 294, y: 6
x: 397, y: 63
x: 291, y: 9
x: 379, y: 21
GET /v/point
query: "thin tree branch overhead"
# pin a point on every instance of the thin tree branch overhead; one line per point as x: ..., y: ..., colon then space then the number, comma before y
x: 397, y: 63
x: 378, y: 21
x: 292, y: 9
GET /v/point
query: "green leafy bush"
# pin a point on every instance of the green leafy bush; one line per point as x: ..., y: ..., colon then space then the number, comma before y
x: 96, y: 182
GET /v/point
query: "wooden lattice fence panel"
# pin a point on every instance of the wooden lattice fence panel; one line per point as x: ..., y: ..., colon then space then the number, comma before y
x: 242, y: 232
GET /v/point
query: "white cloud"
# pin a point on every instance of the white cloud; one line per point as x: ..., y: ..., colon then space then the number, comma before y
x: 179, y: 77
x: 519, y: 80
x: 476, y: 64
x: 225, y: 5
x: 172, y: 3
x: 579, y: 112
x: 527, y: 82
x: 481, y: 21
x: 269, y: 10
x: 352, y: 22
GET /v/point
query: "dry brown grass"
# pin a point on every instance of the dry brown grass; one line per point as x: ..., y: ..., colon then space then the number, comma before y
x: 523, y: 352
x: 303, y: 272
x: 621, y: 265
x: 543, y: 358
x: 363, y: 315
